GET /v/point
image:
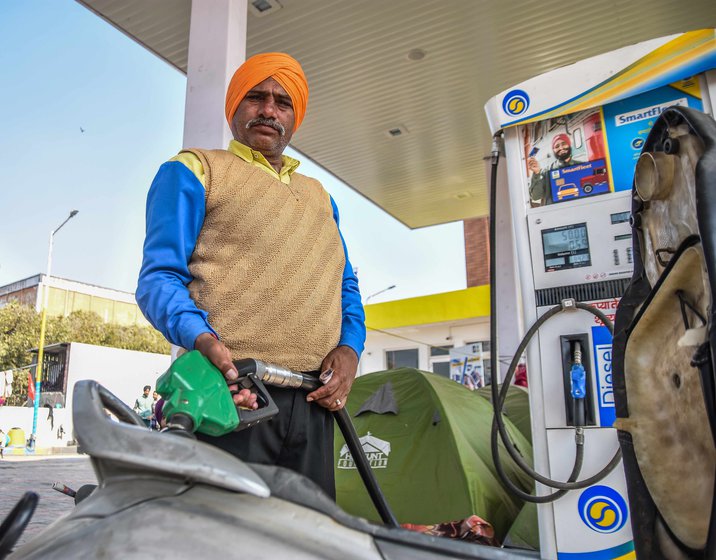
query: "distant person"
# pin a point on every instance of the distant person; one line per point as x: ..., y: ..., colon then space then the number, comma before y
x: 143, y: 405
x: 153, y: 424
x: 159, y: 414
x: 4, y: 442
x: 540, y: 191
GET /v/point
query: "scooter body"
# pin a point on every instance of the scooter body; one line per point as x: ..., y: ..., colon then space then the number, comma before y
x: 163, y: 495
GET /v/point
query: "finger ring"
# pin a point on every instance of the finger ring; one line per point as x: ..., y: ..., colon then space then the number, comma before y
x: 338, y: 402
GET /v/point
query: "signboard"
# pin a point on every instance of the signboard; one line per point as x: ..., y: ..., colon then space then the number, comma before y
x: 595, y: 151
x: 629, y: 122
x: 466, y: 365
x: 602, y: 340
x: 582, y: 179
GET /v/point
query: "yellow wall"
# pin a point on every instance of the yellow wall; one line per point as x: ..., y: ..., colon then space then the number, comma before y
x: 64, y: 302
x: 435, y: 308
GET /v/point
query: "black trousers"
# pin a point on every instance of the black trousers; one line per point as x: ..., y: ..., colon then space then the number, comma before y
x: 299, y: 437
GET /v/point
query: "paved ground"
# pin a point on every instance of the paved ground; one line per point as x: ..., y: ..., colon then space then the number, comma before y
x: 20, y: 474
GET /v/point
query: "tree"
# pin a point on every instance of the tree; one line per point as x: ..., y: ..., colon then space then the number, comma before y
x: 20, y: 332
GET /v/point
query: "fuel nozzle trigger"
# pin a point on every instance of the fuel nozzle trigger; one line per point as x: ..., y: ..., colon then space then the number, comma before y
x: 267, y: 408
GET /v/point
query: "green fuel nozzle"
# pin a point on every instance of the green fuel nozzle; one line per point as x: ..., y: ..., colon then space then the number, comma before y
x: 197, y: 397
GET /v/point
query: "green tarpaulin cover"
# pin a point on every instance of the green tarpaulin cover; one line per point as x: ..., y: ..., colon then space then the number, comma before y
x: 428, y: 441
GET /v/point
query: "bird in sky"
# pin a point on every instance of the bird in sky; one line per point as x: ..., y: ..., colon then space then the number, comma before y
x: 82, y: 129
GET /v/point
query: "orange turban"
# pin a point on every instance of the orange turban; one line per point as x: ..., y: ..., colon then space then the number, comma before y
x: 281, y: 67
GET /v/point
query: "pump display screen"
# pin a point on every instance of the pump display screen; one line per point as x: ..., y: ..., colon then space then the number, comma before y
x: 566, y: 247
x: 620, y: 217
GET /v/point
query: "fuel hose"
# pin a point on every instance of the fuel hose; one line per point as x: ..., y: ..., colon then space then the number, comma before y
x: 278, y: 376
x: 498, y: 398
x: 311, y: 383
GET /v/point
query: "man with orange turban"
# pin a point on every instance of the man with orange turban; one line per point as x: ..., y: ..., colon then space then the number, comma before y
x: 243, y: 258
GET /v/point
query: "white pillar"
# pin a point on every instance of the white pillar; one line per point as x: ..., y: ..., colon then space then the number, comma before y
x: 509, y: 308
x: 217, y: 46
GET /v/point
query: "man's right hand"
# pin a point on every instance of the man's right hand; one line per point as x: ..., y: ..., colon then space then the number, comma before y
x: 219, y: 355
x: 533, y: 166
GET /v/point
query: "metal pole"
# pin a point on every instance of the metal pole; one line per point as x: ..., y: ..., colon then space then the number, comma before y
x: 43, y: 324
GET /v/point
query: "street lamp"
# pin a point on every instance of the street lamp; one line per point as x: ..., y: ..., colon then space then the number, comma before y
x: 379, y: 292
x: 43, y: 323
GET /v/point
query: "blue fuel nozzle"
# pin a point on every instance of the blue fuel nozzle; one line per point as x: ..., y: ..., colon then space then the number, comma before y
x: 579, y: 381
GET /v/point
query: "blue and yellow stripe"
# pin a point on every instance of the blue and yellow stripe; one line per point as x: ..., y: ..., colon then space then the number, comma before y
x: 622, y: 552
x: 686, y: 55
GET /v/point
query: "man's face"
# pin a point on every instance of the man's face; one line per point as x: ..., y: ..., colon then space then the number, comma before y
x: 562, y: 150
x: 264, y: 120
x: 146, y: 392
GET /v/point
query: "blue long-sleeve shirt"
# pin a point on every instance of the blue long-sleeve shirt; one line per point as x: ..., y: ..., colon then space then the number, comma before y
x: 175, y: 215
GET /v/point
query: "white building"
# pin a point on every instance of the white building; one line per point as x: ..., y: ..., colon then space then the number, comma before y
x: 66, y: 296
x: 419, y: 332
x: 123, y: 372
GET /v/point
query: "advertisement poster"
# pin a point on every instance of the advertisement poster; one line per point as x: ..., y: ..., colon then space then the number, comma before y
x: 466, y: 366
x: 628, y: 123
x: 595, y: 151
x: 566, y: 158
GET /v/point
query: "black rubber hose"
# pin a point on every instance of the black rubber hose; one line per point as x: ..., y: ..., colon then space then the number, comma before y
x: 494, y: 354
x: 576, y: 469
x: 497, y: 407
x: 580, y: 419
x: 366, y: 473
x: 343, y: 420
x: 499, y: 403
x: 498, y: 400
x: 496, y: 149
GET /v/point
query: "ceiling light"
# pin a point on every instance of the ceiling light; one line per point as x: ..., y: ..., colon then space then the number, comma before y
x: 416, y: 54
x: 261, y: 8
x: 396, y: 131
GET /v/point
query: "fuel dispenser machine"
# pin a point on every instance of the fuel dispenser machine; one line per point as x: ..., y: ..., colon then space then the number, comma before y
x: 572, y: 140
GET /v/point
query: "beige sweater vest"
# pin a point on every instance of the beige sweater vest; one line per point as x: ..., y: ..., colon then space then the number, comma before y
x: 268, y: 263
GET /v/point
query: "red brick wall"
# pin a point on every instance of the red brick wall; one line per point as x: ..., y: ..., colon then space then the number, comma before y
x: 477, y: 251
x: 27, y: 296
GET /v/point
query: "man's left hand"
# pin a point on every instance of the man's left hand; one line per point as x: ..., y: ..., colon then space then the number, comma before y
x: 333, y: 395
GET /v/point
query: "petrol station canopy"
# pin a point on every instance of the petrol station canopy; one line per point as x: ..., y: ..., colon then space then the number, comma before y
x: 397, y: 87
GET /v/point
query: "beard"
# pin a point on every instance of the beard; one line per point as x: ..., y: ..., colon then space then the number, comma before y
x: 564, y: 155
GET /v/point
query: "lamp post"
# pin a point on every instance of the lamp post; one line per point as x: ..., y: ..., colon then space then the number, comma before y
x: 43, y: 323
x: 379, y: 292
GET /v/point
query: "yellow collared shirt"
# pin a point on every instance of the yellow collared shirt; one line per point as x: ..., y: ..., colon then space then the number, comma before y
x: 289, y: 165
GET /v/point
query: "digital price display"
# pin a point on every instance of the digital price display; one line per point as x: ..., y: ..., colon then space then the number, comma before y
x: 566, y: 247
x: 620, y: 217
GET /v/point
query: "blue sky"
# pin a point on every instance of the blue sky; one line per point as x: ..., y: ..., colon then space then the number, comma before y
x: 63, y: 70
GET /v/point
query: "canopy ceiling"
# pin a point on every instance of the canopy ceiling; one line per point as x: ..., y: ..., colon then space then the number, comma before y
x: 363, y: 83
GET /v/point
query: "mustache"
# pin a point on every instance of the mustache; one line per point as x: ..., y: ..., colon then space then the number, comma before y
x: 267, y: 122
